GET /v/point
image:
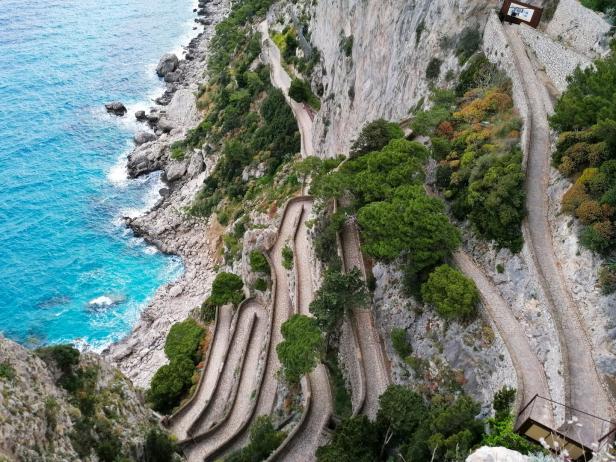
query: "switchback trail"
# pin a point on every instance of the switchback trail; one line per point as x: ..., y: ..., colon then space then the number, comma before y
x: 233, y: 399
x: 182, y: 420
x: 282, y: 81
x: 303, y: 443
x: 375, y: 368
x: 281, y: 311
x: 583, y: 383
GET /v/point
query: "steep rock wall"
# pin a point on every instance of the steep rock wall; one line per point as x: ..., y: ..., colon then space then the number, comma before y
x: 385, y: 76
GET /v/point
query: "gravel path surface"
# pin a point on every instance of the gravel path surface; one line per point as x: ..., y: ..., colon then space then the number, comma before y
x: 529, y: 371
x: 304, y: 442
x: 583, y: 385
x: 252, y: 328
x: 377, y: 377
x: 281, y: 80
x: 180, y: 424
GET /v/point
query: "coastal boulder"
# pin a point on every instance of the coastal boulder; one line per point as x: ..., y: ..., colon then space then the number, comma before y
x: 174, y: 76
x: 116, y: 108
x: 140, y: 116
x: 143, y: 137
x: 168, y: 63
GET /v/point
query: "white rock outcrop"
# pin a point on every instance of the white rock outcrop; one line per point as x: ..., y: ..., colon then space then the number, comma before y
x: 498, y: 454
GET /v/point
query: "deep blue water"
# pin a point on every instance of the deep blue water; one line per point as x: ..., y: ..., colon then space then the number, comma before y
x: 62, y: 184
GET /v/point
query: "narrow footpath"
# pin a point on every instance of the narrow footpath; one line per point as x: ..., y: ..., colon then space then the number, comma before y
x: 529, y: 370
x: 583, y: 383
x: 375, y: 368
x: 302, y: 445
x: 282, y: 81
x: 238, y: 384
x: 180, y: 422
x: 281, y: 311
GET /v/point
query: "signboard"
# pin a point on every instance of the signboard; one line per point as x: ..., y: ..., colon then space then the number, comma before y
x: 519, y: 12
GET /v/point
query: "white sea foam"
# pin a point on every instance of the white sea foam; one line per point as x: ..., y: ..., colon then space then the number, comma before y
x: 103, y: 300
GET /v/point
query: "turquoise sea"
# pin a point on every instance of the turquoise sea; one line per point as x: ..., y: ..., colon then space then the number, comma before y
x: 69, y: 269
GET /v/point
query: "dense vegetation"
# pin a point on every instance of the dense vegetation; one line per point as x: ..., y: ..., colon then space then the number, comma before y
x: 302, y: 347
x: 95, y: 423
x: 258, y: 262
x: 339, y: 293
x: 606, y: 6
x: 247, y: 120
x: 301, y: 92
x: 416, y: 427
x: 264, y: 439
x: 585, y: 117
x: 453, y: 294
x: 374, y: 136
x: 398, y: 220
x: 475, y: 139
x: 408, y: 427
x: 226, y: 288
x: 172, y: 381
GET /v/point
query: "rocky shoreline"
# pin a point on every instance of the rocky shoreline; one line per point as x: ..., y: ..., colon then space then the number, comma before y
x: 167, y: 226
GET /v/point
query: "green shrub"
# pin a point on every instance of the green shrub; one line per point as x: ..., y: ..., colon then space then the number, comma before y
x: 258, y: 262
x: 411, y: 225
x: 434, y: 69
x: 500, y: 268
x: 301, y: 349
x: 264, y: 439
x: 170, y: 383
x: 208, y: 311
x: 400, y: 343
x: 585, y: 117
x: 355, y: 440
x: 339, y: 293
x: 468, y: 43
x: 374, y: 136
x: 261, y: 285
x: 287, y: 257
x: 346, y: 45
x: 226, y: 288
x: 178, y: 151
x: 7, y: 372
x: 301, y: 92
x: 607, y: 278
x: 64, y: 357
x: 343, y: 406
x: 453, y: 295
x: 158, y: 447
x: 183, y: 340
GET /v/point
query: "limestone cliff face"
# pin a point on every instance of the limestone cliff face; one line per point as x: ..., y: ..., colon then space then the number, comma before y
x: 385, y: 74
x: 37, y: 417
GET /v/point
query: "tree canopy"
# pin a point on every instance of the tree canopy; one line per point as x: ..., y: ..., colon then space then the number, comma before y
x: 339, y: 293
x: 374, y: 136
x: 302, y: 347
x: 453, y: 294
x: 183, y: 339
x: 411, y: 225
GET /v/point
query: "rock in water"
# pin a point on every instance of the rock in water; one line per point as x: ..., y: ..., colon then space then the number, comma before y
x: 140, y: 116
x: 116, y: 108
x: 168, y: 63
x: 143, y: 137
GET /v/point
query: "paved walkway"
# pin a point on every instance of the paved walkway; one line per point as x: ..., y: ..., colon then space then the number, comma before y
x: 281, y: 311
x: 529, y: 370
x: 282, y: 81
x: 182, y: 421
x: 377, y: 377
x: 237, y: 386
x: 302, y: 446
x: 583, y: 384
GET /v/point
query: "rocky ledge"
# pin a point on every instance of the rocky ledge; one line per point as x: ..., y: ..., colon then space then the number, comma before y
x: 167, y: 225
